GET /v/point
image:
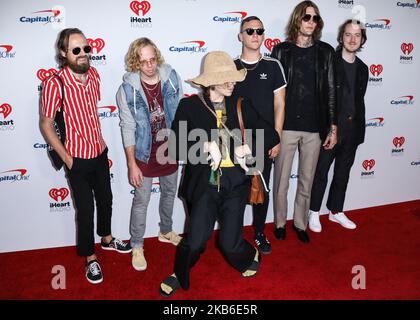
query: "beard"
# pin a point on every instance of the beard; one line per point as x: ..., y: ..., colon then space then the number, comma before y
x: 79, y: 68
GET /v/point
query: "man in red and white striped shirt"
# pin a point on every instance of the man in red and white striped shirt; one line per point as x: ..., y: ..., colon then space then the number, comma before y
x: 84, y: 151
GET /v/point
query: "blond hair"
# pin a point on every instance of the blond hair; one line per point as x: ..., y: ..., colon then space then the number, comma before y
x: 132, y: 58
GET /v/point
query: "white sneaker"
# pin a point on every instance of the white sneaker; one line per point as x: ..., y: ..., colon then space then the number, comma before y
x: 342, y: 219
x: 314, y: 223
x: 138, y: 260
x: 170, y: 237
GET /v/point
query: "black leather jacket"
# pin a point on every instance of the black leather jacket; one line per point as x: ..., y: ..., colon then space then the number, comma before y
x: 362, y: 75
x: 325, y: 80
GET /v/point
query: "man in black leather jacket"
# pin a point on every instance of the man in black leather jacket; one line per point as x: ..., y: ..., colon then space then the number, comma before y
x: 310, y: 118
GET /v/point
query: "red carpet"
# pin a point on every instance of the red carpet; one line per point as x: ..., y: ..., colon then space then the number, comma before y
x: 386, y: 243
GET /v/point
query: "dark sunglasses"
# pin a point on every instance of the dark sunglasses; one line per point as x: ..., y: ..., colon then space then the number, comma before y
x: 308, y: 17
x: 77, y: 50
x: 250, y: 31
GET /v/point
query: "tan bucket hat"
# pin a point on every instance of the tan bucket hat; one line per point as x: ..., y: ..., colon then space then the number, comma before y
x: 218, y: 68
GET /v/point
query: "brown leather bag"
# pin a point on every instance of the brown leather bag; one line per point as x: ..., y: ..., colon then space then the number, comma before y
x: 256, y: 192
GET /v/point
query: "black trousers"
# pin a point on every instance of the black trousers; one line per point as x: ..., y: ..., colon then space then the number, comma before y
x: 344, y: 154
x: 227, y: 206
x: 259, y: 211
x: 89, y: 180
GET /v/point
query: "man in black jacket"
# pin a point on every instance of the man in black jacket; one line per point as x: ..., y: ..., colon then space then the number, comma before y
x: 351, y: 79
x: 310, y: 118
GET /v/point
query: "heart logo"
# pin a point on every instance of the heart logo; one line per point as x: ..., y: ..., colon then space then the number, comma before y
x: 368, y: 164
x: 398, y: 142
x: 270, y: 43
x: 376, y: 69
x: 5, y: 109
x: 59, y: 193
x: 110, y: 163
x: 406, y: 48
x: 44, y: 74
x: 96, y: 44
x: 137, y: 6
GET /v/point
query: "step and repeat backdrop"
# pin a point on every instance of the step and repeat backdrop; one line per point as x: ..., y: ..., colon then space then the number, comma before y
x: 36, y: 208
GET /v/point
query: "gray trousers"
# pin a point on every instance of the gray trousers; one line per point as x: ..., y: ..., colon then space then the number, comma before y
x: 308, y: 145
x: 168, y: 187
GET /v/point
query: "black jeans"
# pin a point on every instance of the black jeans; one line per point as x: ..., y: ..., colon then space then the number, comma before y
x: 259, y: 211
x: 227, y: 206
x: 344, y: 154
x: 89, y: 180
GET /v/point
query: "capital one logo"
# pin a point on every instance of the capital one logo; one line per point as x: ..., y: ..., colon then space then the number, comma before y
x: 107, y: 112
x: 12, y: 176
x: 270, y: 43
x: 240, y: 15
x: 375, y: 122
x: 140, y: 6
x: 5, y: 110
x: 46, y: 16
x: 368, y: 164
x: 155, y: 187
x: 403, y: 100
x: 194, y: 46
x: 59, y: 193
x: 381, y: 24
x: 96, y: 44
x: 398, y: 142
x: 376, y: 69
x: 44, y: 74
x: 5, y: 51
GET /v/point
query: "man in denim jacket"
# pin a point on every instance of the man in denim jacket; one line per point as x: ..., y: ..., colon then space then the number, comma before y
x: 147, y: 101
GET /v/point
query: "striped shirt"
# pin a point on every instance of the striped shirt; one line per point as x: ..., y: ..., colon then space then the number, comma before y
x: 83, y: 129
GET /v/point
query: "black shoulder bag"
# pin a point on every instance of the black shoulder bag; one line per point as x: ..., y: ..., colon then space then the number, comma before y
x: 60, y: 128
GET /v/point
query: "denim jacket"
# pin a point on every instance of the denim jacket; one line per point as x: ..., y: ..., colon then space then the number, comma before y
x: 134, y: 111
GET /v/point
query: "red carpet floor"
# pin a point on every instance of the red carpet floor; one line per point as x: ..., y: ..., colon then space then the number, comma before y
x: 386, y: 243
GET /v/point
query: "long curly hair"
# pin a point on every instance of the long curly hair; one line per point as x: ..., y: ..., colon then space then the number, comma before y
x: 295, y: 21
x: 132, y: 59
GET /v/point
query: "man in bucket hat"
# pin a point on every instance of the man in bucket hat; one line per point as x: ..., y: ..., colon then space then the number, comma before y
x: 217, y: 190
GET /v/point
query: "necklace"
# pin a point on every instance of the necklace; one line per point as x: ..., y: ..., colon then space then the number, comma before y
x: 156, y: 105
x: 254, y: 67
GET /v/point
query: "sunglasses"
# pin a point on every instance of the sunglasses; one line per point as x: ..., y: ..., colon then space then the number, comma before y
x: 250, y: 31
x: 308, y: 17
x: 151, y: 61
x: 76, y: 51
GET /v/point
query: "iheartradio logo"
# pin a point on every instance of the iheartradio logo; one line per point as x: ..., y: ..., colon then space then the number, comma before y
x: 5, y: 110
x: 140, y: 6
x: 44, y: 74
x: 398, y: 142
x: 376, y: 69
x: 368, y: 164
x: 406, y: 48
x: 59, y: 193
x: 96, y: 44
x: 270, y: 43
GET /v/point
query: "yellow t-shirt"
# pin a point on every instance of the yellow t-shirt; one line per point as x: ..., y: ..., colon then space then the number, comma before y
x: 226, y: 161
